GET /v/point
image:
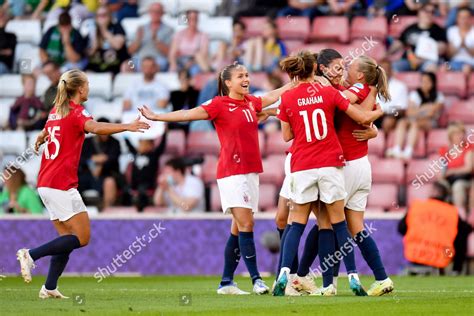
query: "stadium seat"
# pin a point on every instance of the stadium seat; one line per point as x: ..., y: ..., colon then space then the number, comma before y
x: 400, y: 23
x: 276, y: 144
x: 452, y: 83
x: 293, y: 46
x: 208, y: 6
x: 383, y: 196
x: 470, y: 88
x: 420, y: 171
x: 267, y: 196
x: 388, y: 171
x: 259, y: 80
x: 176, y: 142
x: 170, y: 7
x: 42, y: 84
x: 215, y: 199
x: 13, y: 142
x: 316, y: 47
x: 358, y: 47
x: 462, y: 111
x: 330, y: 28
x: 437, y: 138
x: 11, y: 86
x: 5, y: 104
x: 203, y: 143
x: 122, y: 81
x: 27, y: 58
x: 25, y: 30
x: 410, y: 78
x: 420, y: 148
x: 377, y: 145
x: 31, y: 169
x: 273, y: 170
x: 201, y: 79
x: 209, y: 169
x: 293, y: 27
x: 109, y: 110
x: 217, y: 28
x: 253, y: 25
x: 418, y: 193
x: 100, y: 85
x: 362, y: 27
x: 169, y: 79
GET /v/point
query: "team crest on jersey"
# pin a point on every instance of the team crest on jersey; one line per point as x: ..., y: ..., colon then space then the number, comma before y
x: 358, y: 85
x: 54, y: 117
x: 246, y: 198
x: 85, y: 113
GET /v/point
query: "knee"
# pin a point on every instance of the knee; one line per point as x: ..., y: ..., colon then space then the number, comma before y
x: 281, y: 221
x: 246, y: 226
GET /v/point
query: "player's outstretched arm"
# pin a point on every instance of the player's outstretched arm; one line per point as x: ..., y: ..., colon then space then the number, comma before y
x: 272, y: 96
x: 102, y: 128
x: 363, y: 117
x: 196, y: 114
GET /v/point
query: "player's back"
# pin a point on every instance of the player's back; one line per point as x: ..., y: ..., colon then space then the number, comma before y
x: 309, y: 109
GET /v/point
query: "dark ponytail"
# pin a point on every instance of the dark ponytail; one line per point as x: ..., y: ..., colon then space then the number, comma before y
x: 225, y: 74
x: 299, y: 66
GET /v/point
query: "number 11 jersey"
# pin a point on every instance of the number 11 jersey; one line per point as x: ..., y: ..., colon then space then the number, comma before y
x: 63, y: 148
x: 309, y: 109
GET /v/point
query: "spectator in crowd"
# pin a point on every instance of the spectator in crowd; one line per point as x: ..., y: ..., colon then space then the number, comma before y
x: 51, y: 70
x: 146, y: 91
x: 28, y: 9
x: 346, y: 7
x: 144, y: 169
x: 107, y: 44
x: 461, y: 42
x: 413, y: 7
x: 228, y: 53
x: 178, y: 190
x: 152, y: 39
x: 384, y: 7
x: 7, y: 45
x: 80, y: 10
x: 183, y: 99
x: 264, y: 53
x: 424, y: 109
x: 459, y: 170
x: 396, y: 107
x: 189, y: 48
x: 123, y: 8
x: 99, y: 167
x: 64, y: 45
x: 307, y: 8
x: 417, y: 40
x: 423, y: 249
x: 17, y: 196
x: 27, y: 113
x: 449, y: 9
x: 243, y: 8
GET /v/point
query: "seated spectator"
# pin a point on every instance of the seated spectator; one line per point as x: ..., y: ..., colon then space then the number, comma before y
x: 189, y: 48
x: 234, y: 51
x: 449, y: 10
x: 264, y: 53
x: 99, y: 167
x: 459, y: 170
x: 183, y: 99
x: 144, y: 169
x: 413, y: 7
x: 123, y: 8
x: 244, y: 8
x: 51, y: 70
x: 107, y: 44
x: 7, y: 45
x: 307, y: 8
x: 152, y: 39
x: 17, y: 196
x: 416, y: 41
x: 461, y: 42
x: 80, y: 10
x: 425, y: 247
x: 424, y: 109
x: 146, y: 91
x: 28, y: 9
x: 346, y: 7
x: 396, y: 107
x: 384, y: 7
x: 64, y: 45
x: 177, y: 189
x: 28, y: 113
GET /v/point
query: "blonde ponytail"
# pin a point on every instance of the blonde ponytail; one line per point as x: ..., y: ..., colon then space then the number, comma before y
x: 69, y: 84
x: 374, y: 76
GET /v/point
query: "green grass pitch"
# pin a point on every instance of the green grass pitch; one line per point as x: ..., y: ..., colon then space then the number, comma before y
x: 190, y: 295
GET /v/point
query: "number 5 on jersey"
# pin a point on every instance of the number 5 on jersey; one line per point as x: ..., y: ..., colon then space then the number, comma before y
x: 52, y: 139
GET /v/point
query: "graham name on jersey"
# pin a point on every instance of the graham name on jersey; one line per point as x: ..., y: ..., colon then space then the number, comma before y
x: 310, y: 100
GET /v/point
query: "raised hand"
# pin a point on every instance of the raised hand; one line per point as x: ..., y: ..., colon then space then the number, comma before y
x: 138, y: 126
x: 146, y: 112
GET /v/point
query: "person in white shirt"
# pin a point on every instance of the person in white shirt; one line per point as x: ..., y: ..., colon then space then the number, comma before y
x: 425, y: 105
x: 180, y: 191
x: 461, y: 42
x: 146, y: 91
x: 396, y: 107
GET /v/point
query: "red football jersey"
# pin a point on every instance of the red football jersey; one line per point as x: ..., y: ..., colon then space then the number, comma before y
x: 352, y: 148
x: 237, y: 128
x: 309, y: 109
x: 63, y: 148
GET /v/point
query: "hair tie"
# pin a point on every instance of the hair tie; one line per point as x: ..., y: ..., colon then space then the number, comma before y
x: 377, y: 67
x: 63, y: 81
